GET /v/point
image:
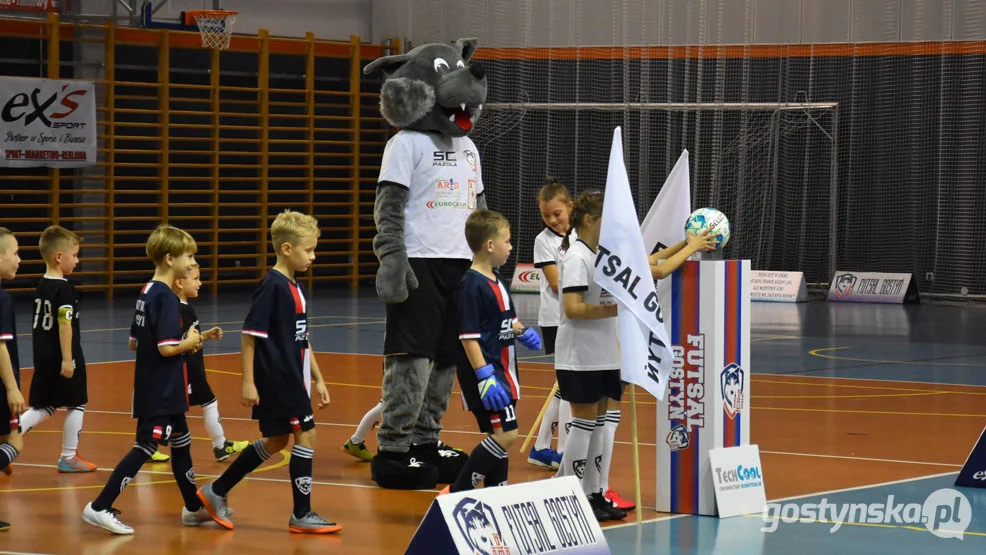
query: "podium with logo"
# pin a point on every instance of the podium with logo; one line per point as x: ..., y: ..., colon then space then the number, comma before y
x: 706, y: 404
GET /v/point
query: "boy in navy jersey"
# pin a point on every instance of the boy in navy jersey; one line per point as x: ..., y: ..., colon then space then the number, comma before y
x: 488, y: 378
x: 12, y: 403
x: 160, y: 398
x: 59, y: 365
x: 278, y: 368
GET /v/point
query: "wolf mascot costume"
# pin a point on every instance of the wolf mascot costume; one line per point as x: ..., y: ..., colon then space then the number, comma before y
x: 430, y: 181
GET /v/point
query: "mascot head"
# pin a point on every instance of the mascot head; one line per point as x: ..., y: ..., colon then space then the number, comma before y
x: 432, y: 88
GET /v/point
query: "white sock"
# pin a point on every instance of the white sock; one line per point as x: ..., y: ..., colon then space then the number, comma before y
x: 609, y: 438
x: 573, y: 462
x: 71, y: 431
x: 210, y: 413
x: 564, y: 419
x: 594, y: 457
x: 550, y: 417
x: 34, y: 416
x: 366, y: 424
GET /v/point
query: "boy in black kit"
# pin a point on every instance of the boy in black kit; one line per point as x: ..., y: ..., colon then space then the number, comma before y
x: 278, y: 367
x: 59, y: 365
x: 160, y: 400
x: 12, y: 404
x: 488, y: 376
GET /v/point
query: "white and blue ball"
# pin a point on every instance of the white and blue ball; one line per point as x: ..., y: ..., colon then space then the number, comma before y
x: 711, y: 219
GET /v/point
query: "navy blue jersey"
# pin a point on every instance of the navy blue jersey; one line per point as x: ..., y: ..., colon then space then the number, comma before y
x: 160, y: 382
x: 189, y: 319
x: 278, y: 318
x: 8, y: 334
x: 51, y: 297
x: 487, y: 315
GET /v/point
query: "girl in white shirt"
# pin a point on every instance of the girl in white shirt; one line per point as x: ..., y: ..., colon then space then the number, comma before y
x: 555, y: 203
x: 587, y: 359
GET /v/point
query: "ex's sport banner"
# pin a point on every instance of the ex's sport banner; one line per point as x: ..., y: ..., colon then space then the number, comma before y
x: 47, y: 122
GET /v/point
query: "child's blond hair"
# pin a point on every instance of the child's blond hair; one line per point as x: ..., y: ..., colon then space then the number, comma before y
x: 167, y: 240
x: 55, y: 239
x: 4, y: 233
x: 290, y: 227
x: 483, y: 225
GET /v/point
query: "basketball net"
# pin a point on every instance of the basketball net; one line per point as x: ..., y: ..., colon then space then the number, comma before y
x: 216, y: 28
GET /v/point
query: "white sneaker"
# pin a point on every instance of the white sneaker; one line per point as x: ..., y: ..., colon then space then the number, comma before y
x: 106, y: 520
x: 189, y: 518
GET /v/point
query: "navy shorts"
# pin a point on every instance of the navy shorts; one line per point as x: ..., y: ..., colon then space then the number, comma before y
x: 589, y: 386
x: 279, y: 426
x: 161, y: 429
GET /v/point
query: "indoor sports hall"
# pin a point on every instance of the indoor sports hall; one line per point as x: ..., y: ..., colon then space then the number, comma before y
x: 843, y: 139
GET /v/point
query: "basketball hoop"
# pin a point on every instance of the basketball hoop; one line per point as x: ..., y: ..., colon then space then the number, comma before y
x: 216, y: 26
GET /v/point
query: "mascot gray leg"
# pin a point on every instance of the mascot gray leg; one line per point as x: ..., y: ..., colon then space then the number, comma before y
x: 427, y: 446
x: 405, y: 383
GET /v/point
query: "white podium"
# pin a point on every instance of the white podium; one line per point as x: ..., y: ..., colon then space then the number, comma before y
x: 706, y: 405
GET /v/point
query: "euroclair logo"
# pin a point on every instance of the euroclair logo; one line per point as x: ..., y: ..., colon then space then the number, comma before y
x: 435, y: 204
x: 946, y: 513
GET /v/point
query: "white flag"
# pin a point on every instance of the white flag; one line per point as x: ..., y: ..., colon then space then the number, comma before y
x: 664, y: 224
x: 623, y: 270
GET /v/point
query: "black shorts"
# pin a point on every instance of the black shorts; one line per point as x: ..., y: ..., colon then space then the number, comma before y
x: 284, y: 425
x: 199, y: 392
x: 505, y: 419
x: 427, y: 323
x: 548, y: 335
x: 50, y: 389
x: 589, y: 386
x: 161, y: 429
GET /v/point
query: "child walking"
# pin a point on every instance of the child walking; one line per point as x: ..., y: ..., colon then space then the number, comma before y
x: 59, y: 365
x: 278, y: 367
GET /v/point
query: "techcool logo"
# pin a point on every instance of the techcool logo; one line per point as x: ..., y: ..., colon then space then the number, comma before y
x: 477, y: 524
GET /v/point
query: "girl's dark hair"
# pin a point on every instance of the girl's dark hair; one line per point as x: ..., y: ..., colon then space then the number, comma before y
x: 588, y: 204
x: 554, y: 188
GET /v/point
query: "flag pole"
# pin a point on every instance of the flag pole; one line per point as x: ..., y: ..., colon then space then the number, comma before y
x: 636, y: 452
x: 537, y: 421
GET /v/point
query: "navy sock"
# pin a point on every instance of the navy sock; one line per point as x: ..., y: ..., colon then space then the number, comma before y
x: 249, y: 459
x: 125, y: 471
x: 482, y: 463
x: 300, y: 469
x: 181, y: 467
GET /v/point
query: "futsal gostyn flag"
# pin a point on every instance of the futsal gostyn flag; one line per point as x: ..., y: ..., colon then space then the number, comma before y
x: 664, y: 224
x: 623, y: 270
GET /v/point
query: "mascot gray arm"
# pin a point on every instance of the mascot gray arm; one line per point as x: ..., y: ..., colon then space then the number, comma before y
x: 394, y: 277
x: 481, y: 201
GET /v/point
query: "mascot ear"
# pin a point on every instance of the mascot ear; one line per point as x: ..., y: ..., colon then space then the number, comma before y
x: 386, y: 64
x: 467, y: 47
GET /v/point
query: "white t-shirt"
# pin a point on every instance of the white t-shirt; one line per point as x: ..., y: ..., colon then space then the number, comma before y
x: 585, y: 344
x: 548, y: 251
x: 443, y: 177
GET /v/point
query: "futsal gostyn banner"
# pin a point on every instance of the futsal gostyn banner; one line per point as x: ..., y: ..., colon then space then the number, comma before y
x: 623, y: 270
x: 47, y: 122
x: 545, y: 516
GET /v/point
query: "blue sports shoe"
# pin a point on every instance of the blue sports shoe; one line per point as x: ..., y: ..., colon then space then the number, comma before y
x: 545, y: 458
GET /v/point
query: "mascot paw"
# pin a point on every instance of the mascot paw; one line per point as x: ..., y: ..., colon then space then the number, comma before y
x: 394, y: 279
x: 402, y: 471
x: 448, y: 460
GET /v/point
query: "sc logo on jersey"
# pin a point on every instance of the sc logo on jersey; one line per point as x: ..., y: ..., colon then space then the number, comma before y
x: 300, y: 331
x: 506, y: 329
x: 477, y: 525
x: 443, y: 158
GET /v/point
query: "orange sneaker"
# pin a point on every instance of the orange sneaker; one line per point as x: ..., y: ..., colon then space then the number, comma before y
x: 75, y: 464
x: 618, y: 502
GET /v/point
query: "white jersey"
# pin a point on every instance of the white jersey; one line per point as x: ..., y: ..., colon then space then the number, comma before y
x: 585, y: 344
x: 443, y: 178
x: 547, y: 252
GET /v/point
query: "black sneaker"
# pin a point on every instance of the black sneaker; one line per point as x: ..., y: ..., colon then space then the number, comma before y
x: 603, y: 510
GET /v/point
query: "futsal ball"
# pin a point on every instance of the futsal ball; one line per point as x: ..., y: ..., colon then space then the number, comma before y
x: 711, y: 219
